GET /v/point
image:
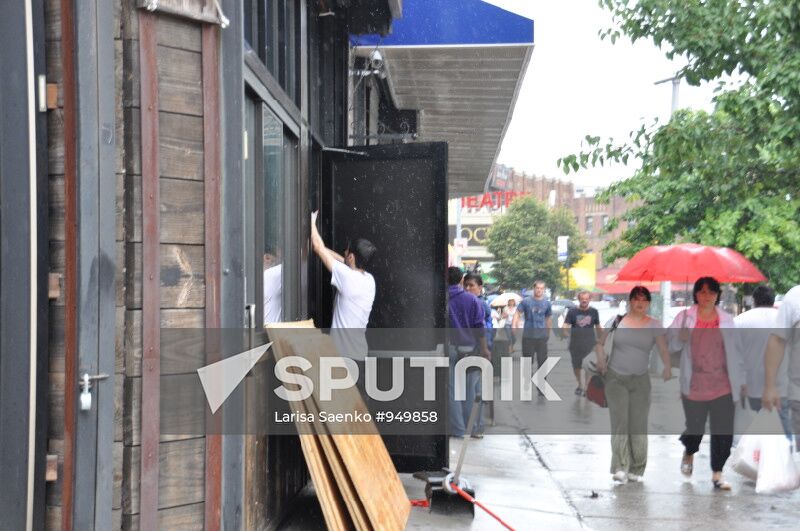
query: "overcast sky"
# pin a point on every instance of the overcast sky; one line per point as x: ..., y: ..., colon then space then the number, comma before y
x: 577, y: 84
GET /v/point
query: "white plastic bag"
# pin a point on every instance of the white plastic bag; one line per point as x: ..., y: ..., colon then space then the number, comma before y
x: 747, y: 455
x: 776, y: 469
x: 742, y: 420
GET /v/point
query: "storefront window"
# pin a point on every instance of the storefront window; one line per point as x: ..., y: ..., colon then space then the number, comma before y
x: 272, y: 204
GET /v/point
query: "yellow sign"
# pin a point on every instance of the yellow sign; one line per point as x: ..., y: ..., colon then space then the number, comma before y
x: 584, y: 273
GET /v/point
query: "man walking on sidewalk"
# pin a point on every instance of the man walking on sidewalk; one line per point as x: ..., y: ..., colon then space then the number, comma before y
x: 785, y: 339
x: 582, y: 322
x: 538, y: 321
x: 467, y: 338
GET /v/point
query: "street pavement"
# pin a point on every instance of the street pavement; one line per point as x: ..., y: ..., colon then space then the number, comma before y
x: 556, y: 481
x: 536, y: 481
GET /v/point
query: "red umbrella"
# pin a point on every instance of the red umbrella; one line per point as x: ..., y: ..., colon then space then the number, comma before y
x: 687, y: 262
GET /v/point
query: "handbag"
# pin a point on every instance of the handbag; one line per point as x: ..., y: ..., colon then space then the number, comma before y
x: 596, y: 388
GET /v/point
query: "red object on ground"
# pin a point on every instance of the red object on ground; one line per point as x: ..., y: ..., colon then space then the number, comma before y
x: 470, y: 499
x: 686, y: 262
x: 420, y: 503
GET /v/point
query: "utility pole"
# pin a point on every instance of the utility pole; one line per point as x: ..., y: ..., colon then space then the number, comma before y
x: 666, y: 286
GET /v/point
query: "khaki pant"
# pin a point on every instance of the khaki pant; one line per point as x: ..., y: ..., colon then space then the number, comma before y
x: 628, y: 399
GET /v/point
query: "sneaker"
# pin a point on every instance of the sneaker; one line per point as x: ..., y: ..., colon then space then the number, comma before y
x: 477, y: 435
x: 634, y: 477
x: 620, y: 476
x: 578, y: 391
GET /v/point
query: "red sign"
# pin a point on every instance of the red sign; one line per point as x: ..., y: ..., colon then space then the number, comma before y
x: 491, y: 199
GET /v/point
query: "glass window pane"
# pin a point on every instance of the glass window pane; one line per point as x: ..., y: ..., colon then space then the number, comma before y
x: 273, y: 200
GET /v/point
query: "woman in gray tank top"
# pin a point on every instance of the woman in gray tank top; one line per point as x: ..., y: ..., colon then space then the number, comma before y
x: 627, y: 383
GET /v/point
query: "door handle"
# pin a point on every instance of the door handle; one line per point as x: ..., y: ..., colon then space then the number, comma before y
x: 86, y: 384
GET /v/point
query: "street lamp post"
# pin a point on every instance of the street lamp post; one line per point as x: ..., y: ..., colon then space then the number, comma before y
x: 666, y: 286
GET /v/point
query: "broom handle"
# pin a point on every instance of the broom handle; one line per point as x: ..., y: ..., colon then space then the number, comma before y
x: 470, y: 423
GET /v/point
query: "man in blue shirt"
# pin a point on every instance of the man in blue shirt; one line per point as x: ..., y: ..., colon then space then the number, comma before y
x: 538, y: 322
x: 465, y: 315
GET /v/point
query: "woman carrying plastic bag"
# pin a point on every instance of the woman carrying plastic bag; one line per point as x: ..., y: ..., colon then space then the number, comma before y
x: 764, y: 454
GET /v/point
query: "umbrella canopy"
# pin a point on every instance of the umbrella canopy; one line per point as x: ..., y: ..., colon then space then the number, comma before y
x: 502, y: 300
x: 686, y: 262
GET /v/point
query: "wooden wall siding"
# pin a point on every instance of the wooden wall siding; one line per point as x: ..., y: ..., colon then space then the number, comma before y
x: 182, y: 267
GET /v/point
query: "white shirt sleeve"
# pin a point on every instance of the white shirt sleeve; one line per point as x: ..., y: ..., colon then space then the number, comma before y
x: 339, y: 275
x: 788, y: 313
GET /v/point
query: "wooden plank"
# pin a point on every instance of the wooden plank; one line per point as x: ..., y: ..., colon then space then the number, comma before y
x: 181, y: 210
x: 171, y: 363
x: 55, y: 406
x: 211, y: 170
x: 120, y: 218
x: 364, y: 455
x: 182, y: 274
x: 119, y: 347
x: 52, y: 21
x: 53, y: 518
x: 148, y: 460
x: 180, y: 81
x: 181, y: 474
x: 179, y: 78
x: 55, y: 142
x: 179, y: 33
x: 181, y: 145
x: 56, y: 208
x: 116, y: 498
x: 56, y: 339
x: 332, y: 456
x: 119, y: 274
x: 330, y: 492
x: 119, y: 395
x: 183, y: 518
x: 132, y: 408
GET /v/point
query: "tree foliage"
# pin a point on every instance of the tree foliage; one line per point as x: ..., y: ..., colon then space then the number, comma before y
x: 523, y: 241
x: 730, y: 177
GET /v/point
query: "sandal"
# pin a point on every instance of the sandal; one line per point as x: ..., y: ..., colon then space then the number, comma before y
x: 720, y: 484
x: 687, y: 464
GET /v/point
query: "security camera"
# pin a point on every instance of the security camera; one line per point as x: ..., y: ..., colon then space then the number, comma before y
x: 375, y: 60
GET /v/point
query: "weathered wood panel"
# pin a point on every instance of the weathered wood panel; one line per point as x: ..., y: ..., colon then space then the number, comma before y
x: 55, y: 143
x: 184, y: 518
x: 116, y: 499
x: 182, y: 272
x: 181, y: 210
x: 119, y: 346
x: 120, y: 217
x: 180, y: 145
x: 119, y: 396
x: 169, y: 319
x: 55, y: 406
x: 52, y: 21
x: 173, y: 416
x: 56, y: 339
x: 179, y: 33
x: 56, y: 207
x: 181, y: 474
x: 53, y: 517
x: 179, y: 81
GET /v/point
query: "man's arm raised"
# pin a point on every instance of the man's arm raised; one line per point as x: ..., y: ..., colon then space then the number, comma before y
x: 326, y: 255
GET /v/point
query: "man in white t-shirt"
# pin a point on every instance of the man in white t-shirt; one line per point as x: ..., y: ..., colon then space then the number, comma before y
x: 273, y: 287
x: 785, y: 338
x: 755, y: 326
x: 355, y: 292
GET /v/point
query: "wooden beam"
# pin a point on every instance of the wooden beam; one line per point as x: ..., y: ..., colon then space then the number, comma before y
x: 71, y: 259
x: 151, y: 274
x: 211, y: 170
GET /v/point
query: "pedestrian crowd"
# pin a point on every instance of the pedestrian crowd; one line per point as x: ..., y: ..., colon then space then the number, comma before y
x: 722, y: 361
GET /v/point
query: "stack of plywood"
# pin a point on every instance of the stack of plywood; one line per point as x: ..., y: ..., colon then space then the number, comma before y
x: 356, y: 482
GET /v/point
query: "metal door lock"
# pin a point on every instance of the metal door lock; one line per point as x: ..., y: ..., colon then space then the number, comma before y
x: 86, y: 384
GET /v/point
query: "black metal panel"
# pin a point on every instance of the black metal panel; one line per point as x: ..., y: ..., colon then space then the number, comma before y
x: 18, y: 363
x: 396, y: 197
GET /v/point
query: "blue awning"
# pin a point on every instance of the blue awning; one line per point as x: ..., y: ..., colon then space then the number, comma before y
x: 460, y: 63
x: 453, y: 23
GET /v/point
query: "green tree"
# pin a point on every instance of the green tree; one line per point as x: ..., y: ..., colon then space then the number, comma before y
x: 523, y: 241
x: 730, y: 177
